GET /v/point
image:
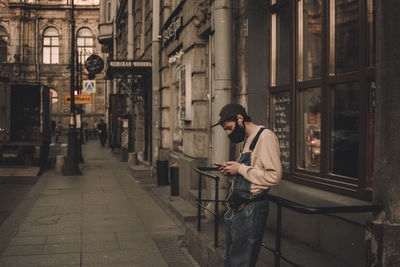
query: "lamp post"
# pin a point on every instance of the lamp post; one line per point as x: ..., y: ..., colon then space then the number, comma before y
x: 71, y: 166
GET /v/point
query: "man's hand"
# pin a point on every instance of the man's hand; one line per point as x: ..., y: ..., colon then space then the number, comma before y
x: 231, y: 168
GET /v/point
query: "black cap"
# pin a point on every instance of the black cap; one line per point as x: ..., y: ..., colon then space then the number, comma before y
x: 230, y: 111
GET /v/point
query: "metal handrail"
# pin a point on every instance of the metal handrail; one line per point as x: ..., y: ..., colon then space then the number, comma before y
x: 203, y: 171
x: 300, y: 208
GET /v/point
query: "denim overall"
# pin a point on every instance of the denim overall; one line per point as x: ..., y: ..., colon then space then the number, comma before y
x: 244, y: 229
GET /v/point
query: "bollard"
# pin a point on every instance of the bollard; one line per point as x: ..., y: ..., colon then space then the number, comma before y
x: 132, y: 159
x: 60, y: 159
x: 162, y: 172
x: 174, y: 177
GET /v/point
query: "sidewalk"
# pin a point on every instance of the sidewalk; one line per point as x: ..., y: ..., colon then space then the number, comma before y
x: 101, y: 218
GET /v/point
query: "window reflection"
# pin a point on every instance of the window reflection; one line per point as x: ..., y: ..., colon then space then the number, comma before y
x: 344, y: 34
x: 309, y: 39
x: 344, y: 129
x: 280, y: 46
x: 84, y: 44
x: 309, y: 129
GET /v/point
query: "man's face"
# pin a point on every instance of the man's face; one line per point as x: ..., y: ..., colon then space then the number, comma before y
x: 228, y: 126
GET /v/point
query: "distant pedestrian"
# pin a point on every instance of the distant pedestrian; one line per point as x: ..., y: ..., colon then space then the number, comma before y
x: 258, y: 169
x: 102, y: 131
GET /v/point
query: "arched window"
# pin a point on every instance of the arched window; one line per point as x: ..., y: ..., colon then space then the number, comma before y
x: 85, y: 44
x: 3, y: 44
x: 50, y: 46
x: 54, y: 102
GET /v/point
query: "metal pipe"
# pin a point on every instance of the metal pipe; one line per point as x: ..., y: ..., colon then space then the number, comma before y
x: 222, y: 87
x: 37, y: 48
x: 156, y: 95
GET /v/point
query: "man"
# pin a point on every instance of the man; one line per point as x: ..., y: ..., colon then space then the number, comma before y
x: 257, y: 169
x: 102, y: 130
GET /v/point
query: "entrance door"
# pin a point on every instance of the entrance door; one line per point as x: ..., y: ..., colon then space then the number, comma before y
x: 4, y: 112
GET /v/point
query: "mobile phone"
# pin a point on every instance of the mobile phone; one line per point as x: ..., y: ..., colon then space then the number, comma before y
x: 219, y: 164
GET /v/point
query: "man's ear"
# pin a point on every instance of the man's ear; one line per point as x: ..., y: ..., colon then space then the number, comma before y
x: 239, y: 118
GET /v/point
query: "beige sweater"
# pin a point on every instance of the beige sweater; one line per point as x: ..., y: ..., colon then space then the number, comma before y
x: 266, y: 169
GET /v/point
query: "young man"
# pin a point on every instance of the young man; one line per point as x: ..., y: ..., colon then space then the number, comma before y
x: 258, y: 168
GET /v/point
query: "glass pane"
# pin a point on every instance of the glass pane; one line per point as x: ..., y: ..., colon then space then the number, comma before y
x: 280, y: 114
x: 54, y: 55
x: 50, y: 32
x: 280, y: 47
x: 80, y: 41
x: 309, y: 50
x: 84, y: 32
x: 89, y: 41
x: 46, y: 41
x: 309, y: 130
x: 54, y: 41
x: 46, y: 55
x: 344, y: 129
x: 344, y: 34
x: 371, y: 31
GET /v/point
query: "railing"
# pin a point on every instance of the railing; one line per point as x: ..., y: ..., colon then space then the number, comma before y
x: 297, y: 207
x: 199, y: 201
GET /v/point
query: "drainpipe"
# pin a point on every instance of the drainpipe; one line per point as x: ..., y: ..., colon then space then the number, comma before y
x: 37, y: 48
x: 222, y: 85
x: 156, y: 119
x: 130, y: 56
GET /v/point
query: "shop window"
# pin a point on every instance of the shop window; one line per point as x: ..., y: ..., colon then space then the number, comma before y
x: 309, y: 40
x: 344, y: 34
x: 84, y: 44
x: 322, y: 92
x: 51, y: 45
x: 309, y: 129
x: 3, y: 45
x: 344, y: 138
x: 280, y: 46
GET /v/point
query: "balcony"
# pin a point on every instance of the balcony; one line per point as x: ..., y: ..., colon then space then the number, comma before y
x: 9, y: 71
x: 106, y: 33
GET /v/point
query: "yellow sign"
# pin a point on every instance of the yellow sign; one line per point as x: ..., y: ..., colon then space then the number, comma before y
x: 79, y: 99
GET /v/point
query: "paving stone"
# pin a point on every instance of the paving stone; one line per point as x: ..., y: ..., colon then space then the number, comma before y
x: 62, y: 248
x: 28, y: 240
x: 23, y: 250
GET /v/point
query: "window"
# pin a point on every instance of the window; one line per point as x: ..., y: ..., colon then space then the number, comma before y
x: 108, y: 7
x: 54, y: 101
x: 84, y: 44
x: 50, y: 46
x: 3, y: 45
x: 322, y: 108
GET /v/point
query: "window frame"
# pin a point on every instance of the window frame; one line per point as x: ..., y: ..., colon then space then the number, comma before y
x: 354, y: 187
x: 80, y: 48
x: 51, y: 46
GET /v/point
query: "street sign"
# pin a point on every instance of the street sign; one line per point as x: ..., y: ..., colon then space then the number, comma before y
x: 89, y: 86
x: 79, y: 99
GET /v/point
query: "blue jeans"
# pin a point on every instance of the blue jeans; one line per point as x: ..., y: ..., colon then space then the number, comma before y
x: 244, y: 235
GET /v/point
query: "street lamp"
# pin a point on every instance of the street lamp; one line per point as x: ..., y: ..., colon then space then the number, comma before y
x: 71, y: 166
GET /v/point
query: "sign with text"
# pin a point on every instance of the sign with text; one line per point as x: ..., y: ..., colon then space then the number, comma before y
x: 79, y: 99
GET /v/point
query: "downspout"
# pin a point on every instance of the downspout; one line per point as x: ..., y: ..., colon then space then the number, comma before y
x: 222, y: 85
x: 130, y: 56
x: 156, y: 106
x: 37, y: 48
